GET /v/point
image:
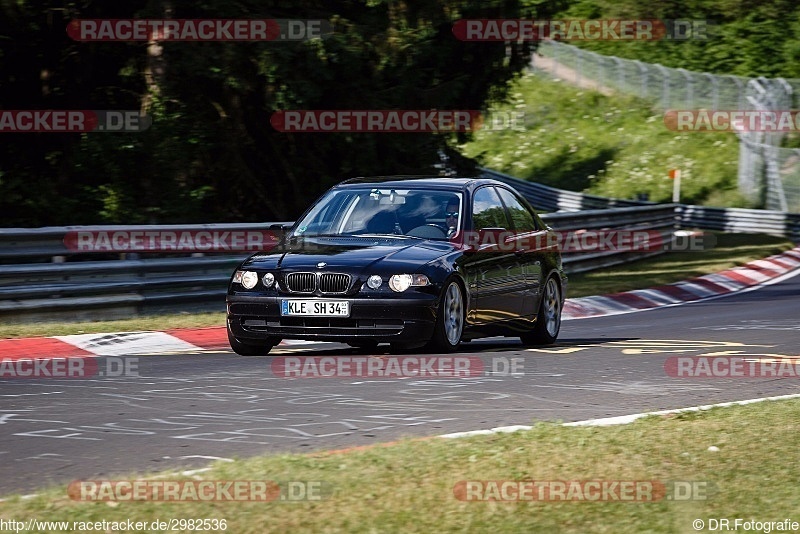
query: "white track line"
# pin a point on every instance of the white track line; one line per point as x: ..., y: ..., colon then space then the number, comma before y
x: 626, y: 419
x: 755, y: 287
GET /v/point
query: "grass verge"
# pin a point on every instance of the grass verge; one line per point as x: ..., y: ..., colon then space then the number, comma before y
x: 731, y: 250
x: 617, y: 146
x: 148, y: 322
x: 409, y: 486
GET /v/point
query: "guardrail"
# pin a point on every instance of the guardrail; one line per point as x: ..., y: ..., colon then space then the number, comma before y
x: 41, y: 278
x: 47, y: 242
x: 657, y: 218
x: 548, y: 198
x: 740, y: 220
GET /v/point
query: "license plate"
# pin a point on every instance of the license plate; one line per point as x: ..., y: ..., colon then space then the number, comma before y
x: 316, y: 308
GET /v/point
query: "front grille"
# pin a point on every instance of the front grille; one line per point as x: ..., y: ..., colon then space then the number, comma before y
x: 333, y: 283
x: 328, y: 283
x: 301, y: 282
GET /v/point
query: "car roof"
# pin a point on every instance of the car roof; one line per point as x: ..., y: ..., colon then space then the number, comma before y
x: 434, y: 182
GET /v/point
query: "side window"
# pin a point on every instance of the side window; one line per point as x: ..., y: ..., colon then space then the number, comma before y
x: 487, y: 210
x: 522, y: 218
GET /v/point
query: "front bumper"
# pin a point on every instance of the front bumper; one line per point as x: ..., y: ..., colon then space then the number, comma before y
x: 395, y: 320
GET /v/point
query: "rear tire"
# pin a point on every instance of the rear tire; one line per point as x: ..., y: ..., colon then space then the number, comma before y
x: 450, y: 320
x: 548, y: 320
x: 247, y: 349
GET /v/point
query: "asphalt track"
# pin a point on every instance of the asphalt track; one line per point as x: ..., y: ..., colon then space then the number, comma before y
x: 186, y: 409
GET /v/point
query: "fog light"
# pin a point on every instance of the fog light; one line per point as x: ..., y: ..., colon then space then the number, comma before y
x: 249, y: 279
x: 268, y: 279
x: 374, y: 281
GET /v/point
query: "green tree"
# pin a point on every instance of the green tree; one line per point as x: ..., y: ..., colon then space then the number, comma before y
x: 211, y: 154
x: 745, y: 38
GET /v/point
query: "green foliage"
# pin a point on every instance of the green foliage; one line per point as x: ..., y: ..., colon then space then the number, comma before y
x: 745, y: 38
x: 612, y: 146
x: 617, y: 146
x: 211, y: 153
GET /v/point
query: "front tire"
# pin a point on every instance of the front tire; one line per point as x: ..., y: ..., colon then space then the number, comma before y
x: 450, y: 319
x: 247, y: 349
x: 548, y: 320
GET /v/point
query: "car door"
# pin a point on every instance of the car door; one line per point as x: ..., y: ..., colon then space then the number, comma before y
x: 529, y: 241
x: 493, y: 268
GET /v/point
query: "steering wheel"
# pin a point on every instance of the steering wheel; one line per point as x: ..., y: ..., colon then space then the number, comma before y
x: 428, y: 230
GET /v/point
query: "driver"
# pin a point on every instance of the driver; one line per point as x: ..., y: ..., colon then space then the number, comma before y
x: 451, y: 216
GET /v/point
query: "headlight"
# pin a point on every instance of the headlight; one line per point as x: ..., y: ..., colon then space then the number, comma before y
x: 374, y: 281
x: 401, y: 282
x: 249, y: 279
x: 268, y: 279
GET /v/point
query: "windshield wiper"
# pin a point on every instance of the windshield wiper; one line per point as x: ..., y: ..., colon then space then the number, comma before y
x: 369, y: 236
x: 320, y: 235
x: 393, y: 236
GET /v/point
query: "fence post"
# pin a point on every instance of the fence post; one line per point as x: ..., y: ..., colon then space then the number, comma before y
x: 689, y: 98
x: 665, y: 102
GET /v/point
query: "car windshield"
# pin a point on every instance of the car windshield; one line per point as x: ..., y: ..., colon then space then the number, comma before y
x: 421, y: 213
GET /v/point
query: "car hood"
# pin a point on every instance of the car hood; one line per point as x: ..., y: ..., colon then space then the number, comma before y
x: 350, y: 254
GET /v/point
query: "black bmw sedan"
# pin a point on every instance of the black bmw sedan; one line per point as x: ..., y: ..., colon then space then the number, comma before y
x: 408, y: 261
